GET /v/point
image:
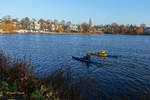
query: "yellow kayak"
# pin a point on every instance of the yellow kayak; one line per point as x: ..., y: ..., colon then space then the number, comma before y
x: 103, y: 55
x: 98, y: 54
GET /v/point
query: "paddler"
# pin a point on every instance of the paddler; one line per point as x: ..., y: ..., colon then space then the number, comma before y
x: 87, y: 57
x: 103, y: 53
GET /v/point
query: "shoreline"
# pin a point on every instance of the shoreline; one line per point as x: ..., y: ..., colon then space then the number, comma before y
x: 71, y: 33
x: 51, y: 33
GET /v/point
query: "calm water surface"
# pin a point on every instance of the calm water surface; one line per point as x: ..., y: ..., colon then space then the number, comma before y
x: 125, y: 76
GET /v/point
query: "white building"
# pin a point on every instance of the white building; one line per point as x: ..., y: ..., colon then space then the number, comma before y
x: 37, y: 25
x: 73, y: 27
x: 53, y: 27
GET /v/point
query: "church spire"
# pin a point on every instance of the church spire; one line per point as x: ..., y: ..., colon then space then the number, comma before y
x: 90, y: 22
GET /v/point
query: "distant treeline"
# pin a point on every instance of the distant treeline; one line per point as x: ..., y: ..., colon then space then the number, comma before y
x: 26, y: 25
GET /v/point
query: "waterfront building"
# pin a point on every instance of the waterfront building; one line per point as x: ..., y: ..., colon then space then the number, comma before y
x: 32, y: 26
x: 53, y: 27
x: 140, y: 30
x: 147, y: 30
x: 37, y: 26
x: 73, y: 28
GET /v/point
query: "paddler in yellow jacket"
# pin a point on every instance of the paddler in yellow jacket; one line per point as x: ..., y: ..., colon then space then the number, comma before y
x: 103, y: 53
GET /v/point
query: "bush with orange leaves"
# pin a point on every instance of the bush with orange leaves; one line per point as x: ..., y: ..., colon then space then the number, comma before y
x: 8, y: 27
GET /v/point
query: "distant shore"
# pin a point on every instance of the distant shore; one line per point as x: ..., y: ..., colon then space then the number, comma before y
x: 52, y: 32
x: 71, y: 33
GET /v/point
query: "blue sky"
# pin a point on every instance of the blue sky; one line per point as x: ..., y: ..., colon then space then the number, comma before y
x: 78, y: 11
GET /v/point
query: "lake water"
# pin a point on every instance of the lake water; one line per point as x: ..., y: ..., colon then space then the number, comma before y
x: 125, y: 76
